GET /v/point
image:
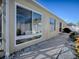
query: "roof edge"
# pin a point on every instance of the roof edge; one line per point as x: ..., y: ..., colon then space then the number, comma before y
x: 41, y: 6
x: 47, y: 10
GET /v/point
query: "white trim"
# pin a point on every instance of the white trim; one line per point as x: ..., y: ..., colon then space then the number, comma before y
x: 25, y: 36
x: 6, y: 48
x: 43, y: 7
x: 25, y: 7
x: 49, y: 11
x: 15, y: 27
x: 7, y: 27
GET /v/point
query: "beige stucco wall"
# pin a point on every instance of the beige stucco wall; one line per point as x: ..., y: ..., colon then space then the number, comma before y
x: 45, y: 24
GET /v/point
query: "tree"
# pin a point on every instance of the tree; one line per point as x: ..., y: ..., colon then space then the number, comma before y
x: 71, y: 24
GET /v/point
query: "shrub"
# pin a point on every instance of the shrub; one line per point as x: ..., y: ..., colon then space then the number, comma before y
x: 66, y: 30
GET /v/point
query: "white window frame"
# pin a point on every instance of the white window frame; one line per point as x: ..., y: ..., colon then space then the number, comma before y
x: 25, y: 36
x: 54, y: 24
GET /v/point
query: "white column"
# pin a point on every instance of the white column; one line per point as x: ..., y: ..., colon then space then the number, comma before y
x: 6, y: 25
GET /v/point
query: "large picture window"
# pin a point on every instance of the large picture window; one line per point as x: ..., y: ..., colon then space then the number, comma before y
x: 28, y: 25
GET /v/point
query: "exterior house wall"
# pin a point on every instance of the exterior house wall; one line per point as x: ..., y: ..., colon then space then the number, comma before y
x: 46, y: 33
x: 0, y: 2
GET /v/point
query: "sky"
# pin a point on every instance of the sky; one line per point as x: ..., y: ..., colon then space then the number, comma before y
x: 68, y: 10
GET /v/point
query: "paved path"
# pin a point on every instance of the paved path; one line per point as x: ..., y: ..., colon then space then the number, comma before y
x: 50, y: 49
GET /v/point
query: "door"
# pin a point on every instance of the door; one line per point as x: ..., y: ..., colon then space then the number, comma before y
x: 60, y: 27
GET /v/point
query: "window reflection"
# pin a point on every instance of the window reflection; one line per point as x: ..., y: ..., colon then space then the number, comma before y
x: 36, y: 22
x: 24, y: 21
x: 52, y: 24
x: 28, y: 22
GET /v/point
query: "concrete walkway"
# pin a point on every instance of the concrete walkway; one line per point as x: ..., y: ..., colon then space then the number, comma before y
x: 50, y: 49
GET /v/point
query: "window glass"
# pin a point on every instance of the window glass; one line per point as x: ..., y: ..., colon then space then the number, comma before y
x: 36, y: 18
x: 52, y: 24
x: 24, y: 21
